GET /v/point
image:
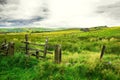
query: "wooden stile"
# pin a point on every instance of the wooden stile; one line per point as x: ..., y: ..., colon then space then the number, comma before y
x: 37, y: 51
x: 8, y: 49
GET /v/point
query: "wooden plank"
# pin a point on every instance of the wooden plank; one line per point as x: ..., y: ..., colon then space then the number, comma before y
x: 38, y: 56
x: 39, y: 50
x: 49, y: 52
x: 41, y: 56
x: 36, y: 49
x: 4, y: 46
x: 37, y: 44
x: 32, y: 43
x: 58, y: 54
x: 25, y: 42
x: 102, y: 51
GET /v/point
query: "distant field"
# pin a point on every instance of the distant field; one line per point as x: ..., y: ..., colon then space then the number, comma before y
x: 80, y: 59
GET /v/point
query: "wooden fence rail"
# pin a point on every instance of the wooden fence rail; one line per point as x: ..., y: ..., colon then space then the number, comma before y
x: 27, y: 49
x: 8, y: 48
x: 45, y: 51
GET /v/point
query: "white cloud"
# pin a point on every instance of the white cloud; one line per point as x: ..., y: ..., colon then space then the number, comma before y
x: 78, y: 13
x: 23, y: 9
x: 27, y: 9
x: 73, y: 13
x: 62, y: 13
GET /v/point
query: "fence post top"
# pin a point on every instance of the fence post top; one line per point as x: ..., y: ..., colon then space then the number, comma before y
x: 12, y: 43
x: 104, y: 46
x: 26, y: 34
x: 58, y: 45
x: 46, y: 38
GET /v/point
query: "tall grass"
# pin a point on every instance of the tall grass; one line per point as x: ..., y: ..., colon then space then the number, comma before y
x: 84, y: 66
x: 80, y: 56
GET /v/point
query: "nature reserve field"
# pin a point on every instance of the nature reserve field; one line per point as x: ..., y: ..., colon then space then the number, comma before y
x: 80, y: 55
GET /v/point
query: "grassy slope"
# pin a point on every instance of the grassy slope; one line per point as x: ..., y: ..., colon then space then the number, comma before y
x: 80, y: 61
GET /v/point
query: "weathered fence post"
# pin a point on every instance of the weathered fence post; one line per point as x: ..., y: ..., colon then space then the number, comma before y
x: 26, y: 44
x: 58, y: 54
x: 45, y: 49
x: 26, y: 50
x: 11, y: 48
x: 102, y: 52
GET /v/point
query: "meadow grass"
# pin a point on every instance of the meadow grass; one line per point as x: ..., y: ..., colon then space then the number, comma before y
x: 80, y: 56
x: 84, y: 66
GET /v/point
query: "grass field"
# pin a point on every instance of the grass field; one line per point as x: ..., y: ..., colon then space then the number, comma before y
x: 80, y: 56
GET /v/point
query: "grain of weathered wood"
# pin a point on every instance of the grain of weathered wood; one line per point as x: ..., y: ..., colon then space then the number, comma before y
x: 26, y: 44
x: 45, y: 49
x: 58, y: 54
x: 11, y: 48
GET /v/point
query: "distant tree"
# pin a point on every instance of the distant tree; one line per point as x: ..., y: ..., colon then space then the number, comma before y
x: 84, y: 29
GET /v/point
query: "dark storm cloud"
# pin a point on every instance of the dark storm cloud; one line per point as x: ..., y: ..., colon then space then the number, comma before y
x: 2, y: 2
x: 111, y: 10
x: 20, y: 22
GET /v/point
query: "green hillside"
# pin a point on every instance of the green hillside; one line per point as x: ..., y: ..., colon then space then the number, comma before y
x: 80, y: 55
x: 18, y: 30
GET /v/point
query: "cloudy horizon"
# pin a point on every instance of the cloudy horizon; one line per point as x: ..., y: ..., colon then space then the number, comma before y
x: 59, y: 13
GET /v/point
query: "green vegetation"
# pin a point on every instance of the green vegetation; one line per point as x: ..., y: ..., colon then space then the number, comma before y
x: 80, y: 56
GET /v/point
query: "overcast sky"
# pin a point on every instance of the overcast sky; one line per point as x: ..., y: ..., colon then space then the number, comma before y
x: 59, y: 13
